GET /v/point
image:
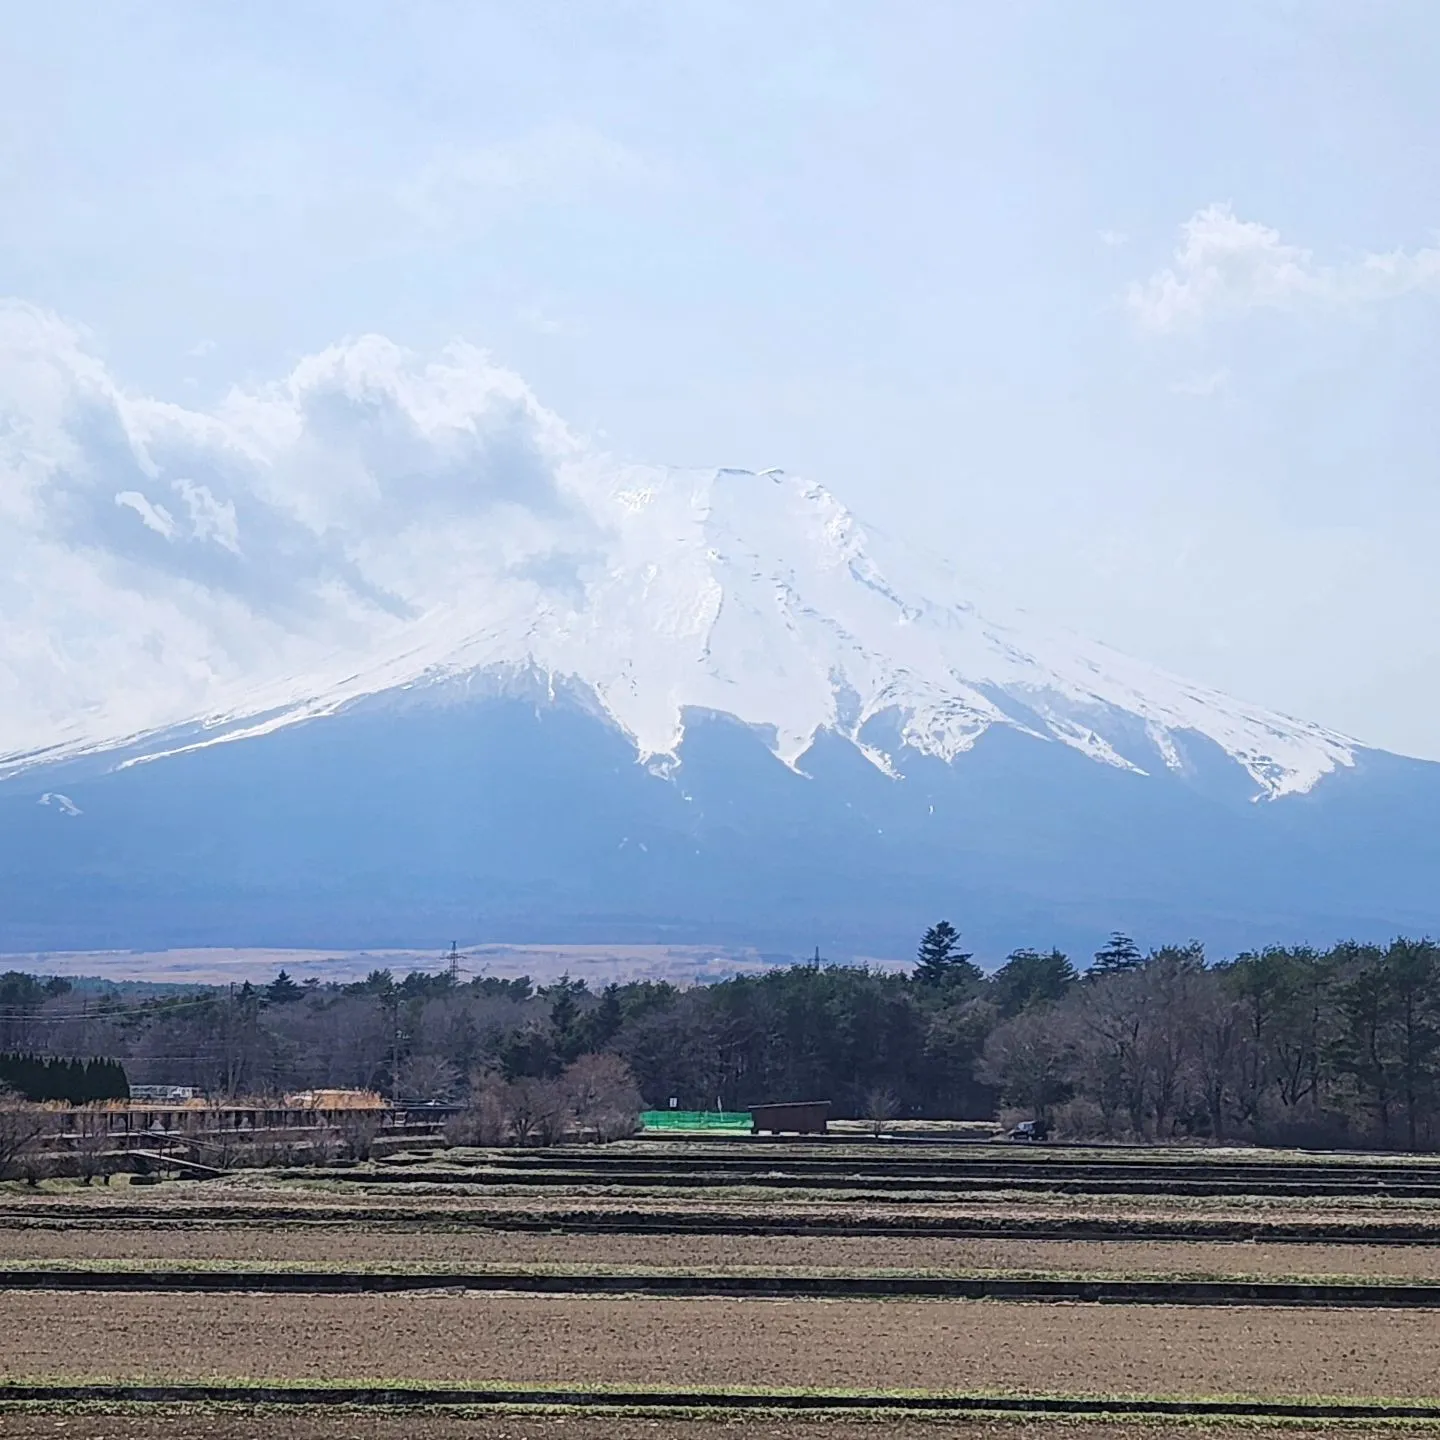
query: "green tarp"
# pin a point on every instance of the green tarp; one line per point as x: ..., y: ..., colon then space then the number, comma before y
x: 695, y: 1119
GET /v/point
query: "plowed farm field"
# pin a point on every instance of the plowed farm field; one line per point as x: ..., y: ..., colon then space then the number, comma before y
x: 260, y: 1198
x: 946, y: 1345
x: 288, y: 1424
x: 543, y: 1217
x: 348, y: 1248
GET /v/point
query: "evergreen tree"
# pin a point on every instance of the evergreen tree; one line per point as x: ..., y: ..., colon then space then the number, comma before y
x: 1119, y: 954
x: 39, y: 1078
x: 939, y: 960
x: 527, y: 1054
x: 605, y: 1019
x: 565, y: 1029
x: 282, y: 990
x: 1029, y: 978
x: 1412, y: 973
x: 377, y: 982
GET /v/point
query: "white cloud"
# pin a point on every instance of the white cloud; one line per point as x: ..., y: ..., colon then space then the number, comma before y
x: 1226, y: 266
x: 155, y: 517
x: 210, y: 519
x: 200, y: 350
x: 154, y: 557
x: 1114, y: 238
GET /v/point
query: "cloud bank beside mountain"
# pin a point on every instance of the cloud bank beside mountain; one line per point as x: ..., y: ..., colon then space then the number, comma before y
x: 152, y: 556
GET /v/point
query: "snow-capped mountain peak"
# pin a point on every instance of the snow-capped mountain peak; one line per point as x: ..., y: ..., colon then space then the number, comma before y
x: 376, y: 523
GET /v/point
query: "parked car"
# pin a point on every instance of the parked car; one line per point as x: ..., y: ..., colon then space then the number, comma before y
x: 1028, y: 1132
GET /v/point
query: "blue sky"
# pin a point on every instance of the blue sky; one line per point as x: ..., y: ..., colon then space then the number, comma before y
x: 1129, y: 307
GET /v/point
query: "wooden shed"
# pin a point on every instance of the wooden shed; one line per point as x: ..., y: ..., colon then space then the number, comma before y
x: 803, y: 1117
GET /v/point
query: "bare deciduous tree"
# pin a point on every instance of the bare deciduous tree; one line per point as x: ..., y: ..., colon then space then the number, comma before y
x: 358, y: 1130
x: 600, y: 1092
x: 485, y: 1120
x: 1031, y: 1060
x: 881, y: 1105
x: 428, y: 1078
x: 91, y: 1142
x: 22, y: 1127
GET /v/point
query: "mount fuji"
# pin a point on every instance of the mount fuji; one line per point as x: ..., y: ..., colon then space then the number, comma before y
x: 383, y: 653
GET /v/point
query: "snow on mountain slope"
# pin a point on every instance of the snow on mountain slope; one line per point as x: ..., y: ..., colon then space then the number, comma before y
x: 376, y: 522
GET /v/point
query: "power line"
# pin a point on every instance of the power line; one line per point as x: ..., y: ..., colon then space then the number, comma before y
x: 155, y: 1008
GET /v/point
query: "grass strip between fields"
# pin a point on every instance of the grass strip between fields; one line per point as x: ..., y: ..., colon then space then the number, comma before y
x: 654, y: 1400
x: 457, y: 1270
x: 795, y: 1181
x: 1268, y: 1226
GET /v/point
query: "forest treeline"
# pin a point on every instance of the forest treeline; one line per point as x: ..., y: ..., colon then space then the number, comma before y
x: 1284, y: 1045
x: 72, y: 1081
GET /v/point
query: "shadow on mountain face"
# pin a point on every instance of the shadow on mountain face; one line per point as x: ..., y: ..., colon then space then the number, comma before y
x: 507, y: 818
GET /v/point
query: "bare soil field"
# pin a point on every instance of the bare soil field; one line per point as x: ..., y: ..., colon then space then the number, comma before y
x: 445, y: 1336
x: 356, y: 1248
x: 247, y: 1195
x: 276, y: 1424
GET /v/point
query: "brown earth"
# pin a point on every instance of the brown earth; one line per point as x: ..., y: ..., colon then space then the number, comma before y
x: 867, y: 1345
x: 271, y: 1424
x: 358, y: 1248
x: 254, y: 1193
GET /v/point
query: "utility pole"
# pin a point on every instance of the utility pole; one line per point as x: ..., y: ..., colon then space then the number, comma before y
x: 232, y: 1044
x: 395, y: 1047
x: 454, y: 964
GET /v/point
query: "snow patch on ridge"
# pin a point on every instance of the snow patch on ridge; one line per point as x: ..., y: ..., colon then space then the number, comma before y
x: 381, y: 524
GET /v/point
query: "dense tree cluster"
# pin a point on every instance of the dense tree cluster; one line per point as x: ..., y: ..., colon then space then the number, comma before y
x: 22, y: 997
x: 1294, y: 1045
x: 1285, y: 1045
x: 43, y: 1078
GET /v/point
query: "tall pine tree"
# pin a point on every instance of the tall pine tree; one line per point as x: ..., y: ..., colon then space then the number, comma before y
x: 1118, y: 954
x: 1029, y: 978
x: 282, y: 990
x: 939, y: 960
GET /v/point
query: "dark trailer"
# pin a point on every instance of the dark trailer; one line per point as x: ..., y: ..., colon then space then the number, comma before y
x: 806, y: 1117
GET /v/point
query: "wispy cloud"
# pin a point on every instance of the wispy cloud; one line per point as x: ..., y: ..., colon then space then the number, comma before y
x: 1202, y: 385
x: 553, y: 165
x: 1113, y: 238
x: 542, y: 322
x: 152, y: 516
x: 1228, y: 266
